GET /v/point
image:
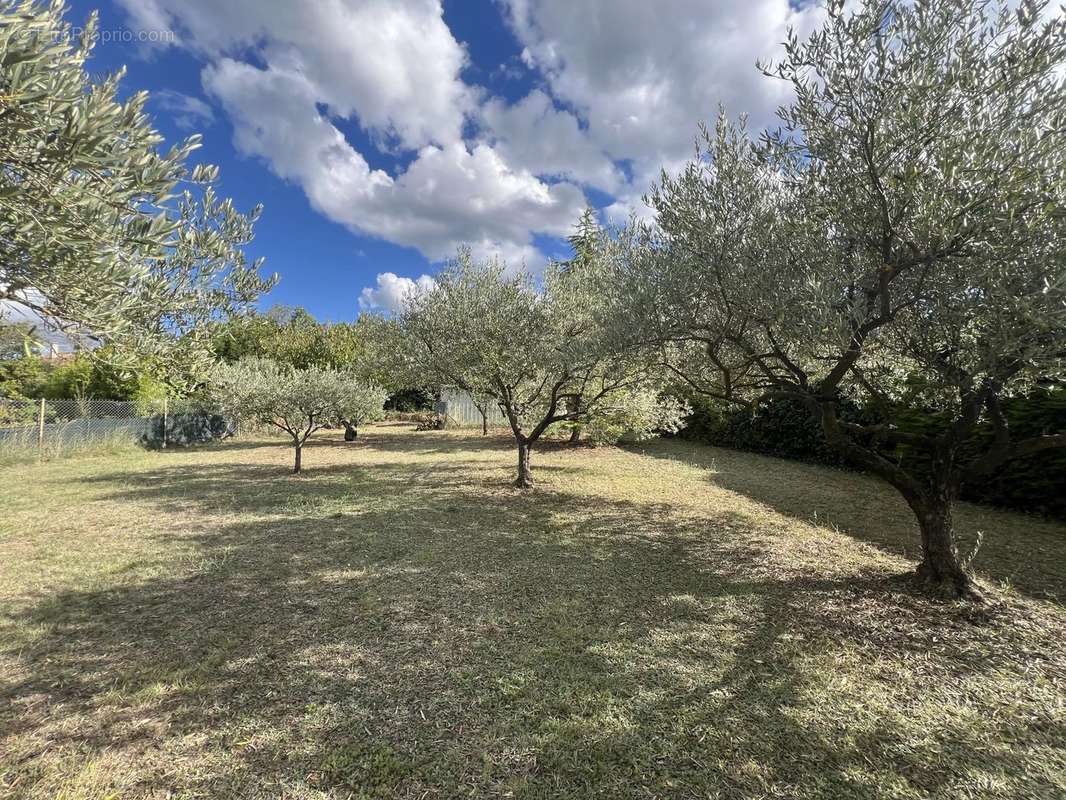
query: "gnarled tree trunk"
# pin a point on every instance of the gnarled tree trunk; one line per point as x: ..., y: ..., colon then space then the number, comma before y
x: 299, y: 452
x: 350, y: 432
x: 941, y: 568
x: 525, y: 474
x: 573, y: 405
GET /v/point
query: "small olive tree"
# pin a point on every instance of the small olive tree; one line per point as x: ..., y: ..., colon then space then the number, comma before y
x: 296, y: 401
x: 590, y: 243
x: 531, y: 352
x: 901, y: 238
x: 363, y: 402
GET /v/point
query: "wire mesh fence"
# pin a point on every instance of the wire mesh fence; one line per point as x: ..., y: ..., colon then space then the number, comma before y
x: 49, y: 427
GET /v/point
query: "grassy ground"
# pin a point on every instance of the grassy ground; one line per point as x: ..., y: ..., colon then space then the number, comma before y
x: 670, y: 621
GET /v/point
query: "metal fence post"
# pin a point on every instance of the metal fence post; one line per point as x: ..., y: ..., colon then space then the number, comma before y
x: 165, y: 409
x: 40, y: 430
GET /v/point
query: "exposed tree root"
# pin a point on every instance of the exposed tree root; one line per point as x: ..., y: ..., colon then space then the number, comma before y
x: 947, y: 584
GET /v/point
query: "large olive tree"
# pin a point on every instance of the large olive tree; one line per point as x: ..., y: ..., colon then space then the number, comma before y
x: 533, y: 352
x: 901, y: 237
x: 95, y: 236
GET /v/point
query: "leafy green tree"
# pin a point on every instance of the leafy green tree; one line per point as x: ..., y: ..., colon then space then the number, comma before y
x: 101, y: 377
x: 22, y: 378
x: 496, y: 337
x: 293, y: 336
x: 70, y: 379
x: 636, y: 414
x: 93, y: 236
x: 296, y: 401
x: 900, y: 238
x: 642, y: 409
x: 249, y: 335
x: 589, y: 242
x: 584, y: 241
x: 302, y: 341
x: 364, y: 402
x: 78, y: 376
x: 18, y: 340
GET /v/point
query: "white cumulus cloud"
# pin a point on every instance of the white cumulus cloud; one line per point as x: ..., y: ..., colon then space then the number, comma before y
x: 620, y: 86
x: 393, y: 64
x: 535, y: 135
x: 187, y: 111
x: 642, y: 74
x: 286, y: 72
x: 392, y: 292
x: 449, y: 195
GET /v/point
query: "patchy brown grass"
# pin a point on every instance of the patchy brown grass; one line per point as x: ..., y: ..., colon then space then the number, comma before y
x: 669, y: 621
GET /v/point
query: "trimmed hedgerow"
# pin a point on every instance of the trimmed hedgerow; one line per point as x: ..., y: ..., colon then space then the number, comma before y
x: 783, y: 427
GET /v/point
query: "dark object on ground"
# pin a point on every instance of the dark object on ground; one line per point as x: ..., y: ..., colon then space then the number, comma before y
x: 183, y: 430
x: 429, y: 422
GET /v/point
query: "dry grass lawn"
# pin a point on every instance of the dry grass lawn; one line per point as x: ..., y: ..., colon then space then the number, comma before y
x: 669, y: 621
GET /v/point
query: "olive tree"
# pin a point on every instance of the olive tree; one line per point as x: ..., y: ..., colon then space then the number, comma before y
x: 364, y: 401
x: 589, y: 241
x: 494, y: 335
x: 636, y: 414
x: 901, y: 237
x: 95, y: 236
x: 296, y: 401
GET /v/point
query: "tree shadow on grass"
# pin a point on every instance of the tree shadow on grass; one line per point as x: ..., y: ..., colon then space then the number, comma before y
x: 269, y: 489
x: 1025, y: 551
x: 436, y: 442
x: 443, y: 640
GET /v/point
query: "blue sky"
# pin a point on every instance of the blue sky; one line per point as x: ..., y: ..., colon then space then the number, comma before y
x: 381, y: 134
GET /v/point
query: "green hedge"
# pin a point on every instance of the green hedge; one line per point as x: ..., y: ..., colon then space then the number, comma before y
x: 183, y: 430
x: 783, y: 427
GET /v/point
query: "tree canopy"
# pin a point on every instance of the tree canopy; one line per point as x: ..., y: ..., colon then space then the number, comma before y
x: 493, y: 334
x: 296, y: 401
x: 899, y: 237
x: 293, y: 336
x: 102, y: 232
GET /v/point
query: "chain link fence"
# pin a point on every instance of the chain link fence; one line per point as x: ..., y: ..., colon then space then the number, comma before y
x: 51, y: 427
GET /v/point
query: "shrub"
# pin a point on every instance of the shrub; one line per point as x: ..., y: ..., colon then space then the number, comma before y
x: 409, y: 400
x: 783, y: 427
x: 635, y: 415
x: 182, y: 430
x: 429, y: 422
